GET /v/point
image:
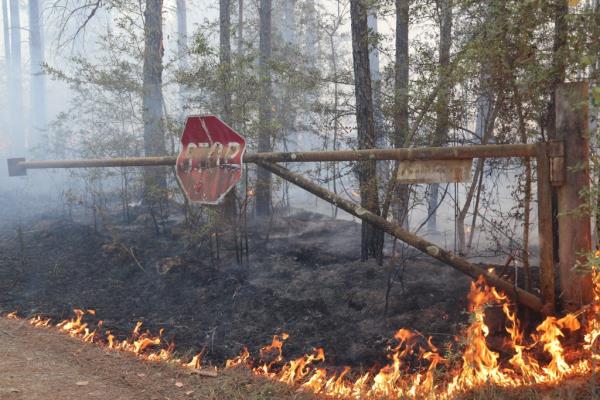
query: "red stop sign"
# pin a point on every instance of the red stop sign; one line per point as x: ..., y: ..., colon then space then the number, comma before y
x: 210, y: 161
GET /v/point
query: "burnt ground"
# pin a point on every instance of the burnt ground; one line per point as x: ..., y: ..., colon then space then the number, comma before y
x: 304, y: 277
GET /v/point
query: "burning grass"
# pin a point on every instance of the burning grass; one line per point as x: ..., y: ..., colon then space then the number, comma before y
x: 416, y: 367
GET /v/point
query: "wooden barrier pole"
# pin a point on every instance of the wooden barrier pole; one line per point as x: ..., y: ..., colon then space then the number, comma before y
x: 19, y: 166
x: 528, y: 299
x: 574, y: 227
x: 546, y: 242
x: 402, y: 154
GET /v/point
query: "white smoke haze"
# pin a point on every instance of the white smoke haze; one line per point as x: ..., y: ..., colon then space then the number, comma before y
x: 70, y: 123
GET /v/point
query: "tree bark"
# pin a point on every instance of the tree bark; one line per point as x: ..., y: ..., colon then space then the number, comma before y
x: 7, y: 57
x: 225, y: 58
x: 229, y: 209
x: 311, y: 33
x: 240, y: 28
x: 558, y: 73
x: 265, y: 113
x: 6, y: 31
x: 288, y: 31
x: 595, y: 111
x: 154, y: 140
x: 18, y: 142
x: 372, y: 238
x: 182, y: 53
x: 401, y: 82
x: 442, y: 110
x: 38, y: 84
x: 380, y: 137
x: 375, y: 79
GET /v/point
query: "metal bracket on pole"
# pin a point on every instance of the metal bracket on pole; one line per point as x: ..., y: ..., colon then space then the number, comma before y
x: 556, y: 154
x: 14, y: 167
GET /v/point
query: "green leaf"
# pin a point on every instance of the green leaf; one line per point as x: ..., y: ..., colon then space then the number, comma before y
x: 586, y: 60
x: 596, y: 95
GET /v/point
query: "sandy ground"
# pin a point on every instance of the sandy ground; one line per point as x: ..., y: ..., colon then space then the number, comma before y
x: 38, y: 363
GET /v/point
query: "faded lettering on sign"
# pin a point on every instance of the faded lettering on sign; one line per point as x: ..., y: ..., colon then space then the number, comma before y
x: 434, y: 171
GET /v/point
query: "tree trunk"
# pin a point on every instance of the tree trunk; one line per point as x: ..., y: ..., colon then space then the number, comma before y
x: 182, y: 53
x: 38, y: 84
x: 561, y: 32
x: 488, y: 129
x: 311, y: 33
x: 263, y: 177
x: 401, y: 123
x: 17, y: 130
x: 7, y: 57
x: 288, y: 31
x: 442, y: 110
x: 154, y: 141
x: 240, y: 38
x: 380, y: 137
x: 284, y: 94
x: 229, y: 208
x: 595, y: 111
x: 6, y: 32
x: 372, y: 238
x: 375, y: 80
x: 336, y: 116
x: 225, y: 58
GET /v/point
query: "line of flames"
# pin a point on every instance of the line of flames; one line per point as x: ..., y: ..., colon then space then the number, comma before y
x: 438, y: 377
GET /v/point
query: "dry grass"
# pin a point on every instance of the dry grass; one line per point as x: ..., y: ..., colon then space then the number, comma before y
x: 578, y: 388
x: 240, y: 384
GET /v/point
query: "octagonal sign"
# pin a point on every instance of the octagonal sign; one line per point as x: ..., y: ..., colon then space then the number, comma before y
x: 210, y: 161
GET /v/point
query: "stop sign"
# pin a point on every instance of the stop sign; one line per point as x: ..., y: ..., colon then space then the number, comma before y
x: 210, y: 161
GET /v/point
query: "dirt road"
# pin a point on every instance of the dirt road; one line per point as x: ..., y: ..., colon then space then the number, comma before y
x: 37, y: 363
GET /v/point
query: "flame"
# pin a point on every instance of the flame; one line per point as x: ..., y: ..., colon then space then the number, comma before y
x: 139, y: 343
x: 242, y: 359
x: 413, y: 370
x: 195, y: 363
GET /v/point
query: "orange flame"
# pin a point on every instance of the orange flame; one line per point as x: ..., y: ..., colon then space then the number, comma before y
x: 479, y: 364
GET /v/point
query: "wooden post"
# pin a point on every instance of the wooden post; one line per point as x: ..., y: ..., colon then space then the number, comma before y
x: 574, y: 228
x: 20, y: 166
x: 546, y: 242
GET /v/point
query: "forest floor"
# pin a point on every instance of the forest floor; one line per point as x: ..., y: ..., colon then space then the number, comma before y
x: 303, y: 278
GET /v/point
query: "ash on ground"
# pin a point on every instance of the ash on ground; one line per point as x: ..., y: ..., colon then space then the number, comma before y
x: 303, y: 277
